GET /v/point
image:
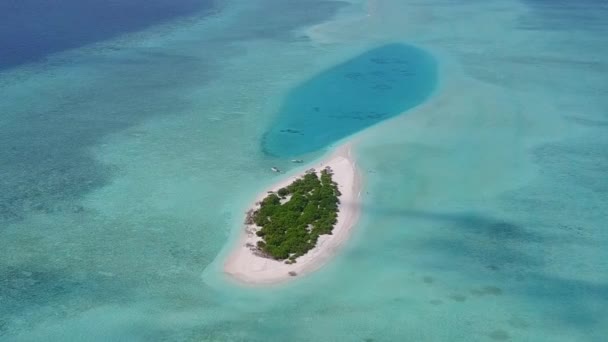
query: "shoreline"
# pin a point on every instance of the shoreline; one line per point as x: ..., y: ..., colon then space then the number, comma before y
x: 246, y: 267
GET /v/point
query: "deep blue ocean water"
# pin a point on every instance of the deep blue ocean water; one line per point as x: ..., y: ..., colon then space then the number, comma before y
x: 346, y: 98
x: 32, y: 29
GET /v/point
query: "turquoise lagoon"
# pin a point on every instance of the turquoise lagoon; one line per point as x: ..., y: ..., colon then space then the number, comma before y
x: 345, y: 99
x: 126, y: 166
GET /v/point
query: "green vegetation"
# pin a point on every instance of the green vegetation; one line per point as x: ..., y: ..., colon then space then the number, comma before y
x: 309, y: 209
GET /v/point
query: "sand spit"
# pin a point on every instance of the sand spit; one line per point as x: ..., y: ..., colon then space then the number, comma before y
x: 245, y: 265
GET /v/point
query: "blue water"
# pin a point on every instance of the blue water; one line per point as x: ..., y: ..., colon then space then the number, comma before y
x: 30, y: 30
x: 125, y: 170
x: 347, y: 98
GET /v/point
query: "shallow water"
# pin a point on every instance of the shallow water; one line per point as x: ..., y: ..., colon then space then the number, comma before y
x: 131, y: 163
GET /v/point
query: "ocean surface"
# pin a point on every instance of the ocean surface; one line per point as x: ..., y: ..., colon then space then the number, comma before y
x: 30, y: 30
x: 135, y: 134
x: 358, y: 93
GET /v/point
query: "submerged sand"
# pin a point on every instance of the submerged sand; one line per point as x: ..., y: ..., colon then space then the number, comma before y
x: 244, y: 265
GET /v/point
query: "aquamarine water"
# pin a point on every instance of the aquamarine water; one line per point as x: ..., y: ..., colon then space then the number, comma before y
x: 126, y: 166
x: 373, y: 86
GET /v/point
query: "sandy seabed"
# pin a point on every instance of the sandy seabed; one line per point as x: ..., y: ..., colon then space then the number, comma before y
x: 245, y: 266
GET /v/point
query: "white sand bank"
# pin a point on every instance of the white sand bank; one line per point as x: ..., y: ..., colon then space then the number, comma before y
x: 243, y: 265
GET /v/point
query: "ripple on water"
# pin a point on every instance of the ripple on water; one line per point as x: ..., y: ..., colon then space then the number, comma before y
x: 487, y: 290
x: 458, y: 298
x: 499, y: 335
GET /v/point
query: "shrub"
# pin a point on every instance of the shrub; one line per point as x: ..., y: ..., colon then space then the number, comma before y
x: 283, y: 192
x: 284, y: 227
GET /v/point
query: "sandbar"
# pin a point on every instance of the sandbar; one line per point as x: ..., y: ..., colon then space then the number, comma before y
x: 246, y: 266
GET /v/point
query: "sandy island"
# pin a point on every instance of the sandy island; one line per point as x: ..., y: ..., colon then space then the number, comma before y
x: 244, y: 265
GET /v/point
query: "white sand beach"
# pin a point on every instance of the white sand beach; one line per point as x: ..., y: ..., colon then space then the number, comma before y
x: 246, y: 267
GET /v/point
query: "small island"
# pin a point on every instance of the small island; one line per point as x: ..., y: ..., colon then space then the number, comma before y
x: 298, y: 224
x: 292, y: 219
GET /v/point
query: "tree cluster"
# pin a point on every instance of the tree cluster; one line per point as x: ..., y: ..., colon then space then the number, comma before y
x: 292, y: 219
